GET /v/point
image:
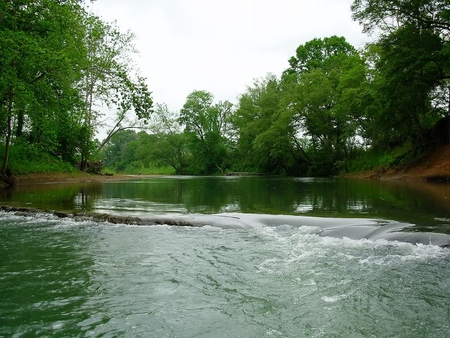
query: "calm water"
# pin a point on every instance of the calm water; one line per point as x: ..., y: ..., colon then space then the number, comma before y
x: 61, y: 278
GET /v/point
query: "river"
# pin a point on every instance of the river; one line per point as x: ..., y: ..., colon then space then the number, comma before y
x: 273, y: 257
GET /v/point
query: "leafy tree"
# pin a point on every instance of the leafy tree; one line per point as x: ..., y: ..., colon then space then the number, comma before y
x: 407, y: 87
x: 263, y: 143
x: 41, y: 55
x: 57, y: 61
x: 388, y: 15
x: 319, y: 53
x: 118, y: 153
x: 110, y: 80
x: 169, y: 146
x: 162, y: 144
x: 324, y: 79
x: 207, y: 126
x: 413, y: 67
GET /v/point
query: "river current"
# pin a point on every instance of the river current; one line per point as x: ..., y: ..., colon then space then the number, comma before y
x: 67, y: 278
x: 108, y: 280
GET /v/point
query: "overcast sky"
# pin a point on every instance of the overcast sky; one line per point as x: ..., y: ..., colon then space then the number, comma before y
x: 221, y: 46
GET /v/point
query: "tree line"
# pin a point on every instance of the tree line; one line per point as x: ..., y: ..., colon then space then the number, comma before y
x: 335, y: 108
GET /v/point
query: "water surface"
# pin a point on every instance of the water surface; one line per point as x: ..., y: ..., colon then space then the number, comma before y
x: 423, y: 203
x: 61, y: 278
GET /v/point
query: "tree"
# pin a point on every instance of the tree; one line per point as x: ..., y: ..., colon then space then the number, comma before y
x: 109, y: 80
x: 207, y: 126
x: 319, y: 53
x: 118, y: 153
x: 324, y: 78
x: 169, y: 146
x: 57, y: 61
x: 413, y: 66
x: 40, y: 59
x: 388, y: 15
x: 263, y: 143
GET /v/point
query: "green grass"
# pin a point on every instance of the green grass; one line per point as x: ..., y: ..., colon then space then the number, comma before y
x: 131, y: 170
x: 367, y: 160
x: 24, y: 160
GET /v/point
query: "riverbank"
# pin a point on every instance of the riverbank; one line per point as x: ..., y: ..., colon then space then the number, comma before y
x: 434, y: 166
x: 41, y: 178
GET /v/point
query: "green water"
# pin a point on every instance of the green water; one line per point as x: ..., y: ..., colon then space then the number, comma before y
x: 61, y: 278
x: 421, y: 203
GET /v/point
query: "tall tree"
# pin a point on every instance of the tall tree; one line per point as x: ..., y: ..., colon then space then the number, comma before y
x: 324, y: 78
x: 57, y: 62
x: 413, y: 65
x: 170, y: 144
x: 262, y: 143
x: 208, y: 126
x: 41, y: 55
x: 110, y: 80
x: 389, y: 15
x: 120, y: 151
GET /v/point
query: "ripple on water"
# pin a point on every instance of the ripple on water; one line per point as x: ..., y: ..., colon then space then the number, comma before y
x: 113, y: 280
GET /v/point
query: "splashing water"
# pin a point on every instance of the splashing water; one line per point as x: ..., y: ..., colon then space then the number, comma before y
x: 66, y: 278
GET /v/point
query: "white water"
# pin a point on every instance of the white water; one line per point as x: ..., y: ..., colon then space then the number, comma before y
x: 90, y: 279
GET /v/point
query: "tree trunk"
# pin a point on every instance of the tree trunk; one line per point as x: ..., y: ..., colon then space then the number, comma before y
x: 6, y: 174
x: 20, y: 123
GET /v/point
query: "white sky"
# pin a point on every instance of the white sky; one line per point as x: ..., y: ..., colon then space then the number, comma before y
x: 222, y: 46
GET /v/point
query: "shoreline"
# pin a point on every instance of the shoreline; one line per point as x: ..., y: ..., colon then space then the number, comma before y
x: 67, y: 178
x: 433, y: 167
x: 56, y: 178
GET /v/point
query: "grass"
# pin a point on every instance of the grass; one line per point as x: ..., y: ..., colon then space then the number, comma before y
x: 26, y: 160
x: 367, y: 160
x: 131, y: 170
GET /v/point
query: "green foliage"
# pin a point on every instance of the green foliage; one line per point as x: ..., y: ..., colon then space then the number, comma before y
x: 168, y: 145
x: 29, y: 160
x: 260, y: 147
x: 206, y: 128
x: 134, y: 153
x: 41, y: 58
x: 377, y: 159
x: 110, y: 79
x: 411, y: 68
x: 319, y: 53
x: 56, y: 60
x: 334, y: 109
x: 388, y: 15
x: 318, y: 104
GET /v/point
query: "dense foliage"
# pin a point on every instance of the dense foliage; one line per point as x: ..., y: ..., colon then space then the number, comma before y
x: 57, y: 63
x: 333, y: 109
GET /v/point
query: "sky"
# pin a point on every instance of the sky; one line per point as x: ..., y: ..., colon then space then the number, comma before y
x: 222, y: 46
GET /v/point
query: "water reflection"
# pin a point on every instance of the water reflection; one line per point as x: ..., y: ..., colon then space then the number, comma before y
x: 53, y: 196
x: 422, y: 203
x: 46, y: 278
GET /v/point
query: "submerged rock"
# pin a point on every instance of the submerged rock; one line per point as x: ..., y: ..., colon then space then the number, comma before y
x: 353, y: 228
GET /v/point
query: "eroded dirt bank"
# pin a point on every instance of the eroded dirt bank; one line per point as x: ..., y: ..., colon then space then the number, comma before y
x: 435, y: 166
